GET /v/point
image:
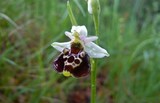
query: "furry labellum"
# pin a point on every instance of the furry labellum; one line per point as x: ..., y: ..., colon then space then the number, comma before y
x: 73, y: 62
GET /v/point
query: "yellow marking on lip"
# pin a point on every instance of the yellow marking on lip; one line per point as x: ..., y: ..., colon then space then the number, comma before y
x: 66, y: 73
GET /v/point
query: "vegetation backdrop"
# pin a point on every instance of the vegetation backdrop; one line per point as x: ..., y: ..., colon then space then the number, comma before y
x: 129, y: 30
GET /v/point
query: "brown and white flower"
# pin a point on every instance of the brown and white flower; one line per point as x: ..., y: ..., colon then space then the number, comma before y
x: 74, y: 59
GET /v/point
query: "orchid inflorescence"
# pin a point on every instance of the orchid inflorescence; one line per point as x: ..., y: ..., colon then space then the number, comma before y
x: 74, y: 59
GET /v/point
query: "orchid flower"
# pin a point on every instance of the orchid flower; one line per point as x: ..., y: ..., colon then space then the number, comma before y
x: 74, y: 59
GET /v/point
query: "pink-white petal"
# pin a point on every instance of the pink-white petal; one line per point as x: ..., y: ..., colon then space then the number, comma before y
x: 61, y: 46
x: 90, y: 39
x: 95, y: 51
x: 81, y: 30
x: 69, y: 35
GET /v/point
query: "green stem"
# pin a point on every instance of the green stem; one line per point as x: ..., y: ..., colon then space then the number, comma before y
x: 70, y: 13
x: 96, y: 11
x: 93, y: 81
x: 94, y: 66
x: 96, y: 24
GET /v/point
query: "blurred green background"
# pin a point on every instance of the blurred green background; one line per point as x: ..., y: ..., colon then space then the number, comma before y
x: 129, y: 30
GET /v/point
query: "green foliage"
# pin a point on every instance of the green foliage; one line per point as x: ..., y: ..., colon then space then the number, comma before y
x: 129, y: 30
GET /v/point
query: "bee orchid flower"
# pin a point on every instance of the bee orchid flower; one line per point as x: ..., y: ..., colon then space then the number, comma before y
x: 74, y: 59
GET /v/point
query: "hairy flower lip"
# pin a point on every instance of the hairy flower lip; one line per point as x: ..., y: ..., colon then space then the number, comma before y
x: 93, y: 50
x: 75, y: 65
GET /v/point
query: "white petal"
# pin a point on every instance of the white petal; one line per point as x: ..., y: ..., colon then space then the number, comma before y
x: 61, y: 46
x: 69, y: 35
x: 82, y: 31
x: 90, y: 6
x: 90, y: 39
x: 95, y: 51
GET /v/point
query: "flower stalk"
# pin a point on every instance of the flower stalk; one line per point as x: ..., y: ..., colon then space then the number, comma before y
x: 93, y: 80
x: 95, y: 11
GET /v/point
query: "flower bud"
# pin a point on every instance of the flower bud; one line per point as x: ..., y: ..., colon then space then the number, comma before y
x: 93, y: 6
